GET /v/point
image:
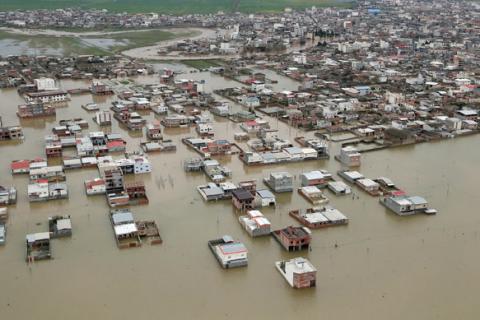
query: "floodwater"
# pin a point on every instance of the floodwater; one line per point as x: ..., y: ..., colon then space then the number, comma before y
x: 15, y: 47
x: 105, y: 43
x: 380, y: 266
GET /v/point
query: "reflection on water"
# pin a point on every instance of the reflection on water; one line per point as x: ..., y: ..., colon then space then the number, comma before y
x: 105, y: 43
x: 380, y: 266
x: 16, y: 47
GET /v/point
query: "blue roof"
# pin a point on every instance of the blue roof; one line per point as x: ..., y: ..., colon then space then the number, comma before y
x: 417, y: 200
x: 264, y: 193
x: 233, y: 248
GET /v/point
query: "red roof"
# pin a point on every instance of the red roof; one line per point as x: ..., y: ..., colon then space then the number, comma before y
x: 95, y: 182
x: 398, y: 193
x: 20, y: 164
x: 115, y: 143
x: 251, y: 123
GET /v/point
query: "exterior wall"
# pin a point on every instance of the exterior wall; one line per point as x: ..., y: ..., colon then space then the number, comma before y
x: 142, y: 167
x: 304, y: 280
x: 230, y: 257
x: 242, y: 205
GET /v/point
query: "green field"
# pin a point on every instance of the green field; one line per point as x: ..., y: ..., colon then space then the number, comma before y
x: 172, y: 6
x: 75, y: 45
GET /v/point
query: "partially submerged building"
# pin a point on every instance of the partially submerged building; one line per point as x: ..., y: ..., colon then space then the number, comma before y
x: 349, y: 156
x: 8, y: 196
x: 229, y: 253
x: 95, y: 186
x: 211, y: 192
x: 315, y: 218
x: 351, y: 176
x: 43, y: 190
x: 255, y: 223
x: 266, y: 198
x: 339, y: 188
x: 280, y: 181
x: 299, y: 272
x: 313, y: 194
x: 35, y: 110
x: 3, y: 234
x: 125, y: 229
x: 293, y: 238
x: 243, y: 199
x: 11, y: 133
x: 315, y: 178
x: 38, y: 246
x: 60, y: 226
x: 369, y: 186
x: 407, y: 205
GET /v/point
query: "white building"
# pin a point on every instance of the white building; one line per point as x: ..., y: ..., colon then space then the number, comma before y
x: 142, y: 164
x: 300, y: 58
x: 44, y: 84
x: 298, y: 272
x: 38, y: 191
x: 350, y: 156
x: 255, y: 223
x: 257, y: 86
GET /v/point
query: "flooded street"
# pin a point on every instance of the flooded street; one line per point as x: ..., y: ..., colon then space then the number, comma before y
x: 379, y: 266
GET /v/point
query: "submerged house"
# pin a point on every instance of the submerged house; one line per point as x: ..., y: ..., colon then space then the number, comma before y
x: 255, y: 223
x: 266, y: 198
x: 38, y: 246
x: 314, y: 178
x: 299, y: 272
x: 11, y: 133
x: 351, y: 176
x: 35, y: 110
x: 24, y: 166
x: 3, y: 234
x: 229, y: 253
x: 125, y: 229
x: 136, y: 193
x: 339, y: 188
x: 243, y: 199
x: 313, y: 194
x: 132, y: 120
x: 280, y: 181
x: 60, y: 226
x: 316, y: 218
x: 211, y: 192
x: 50, y: 96
x: 369, y: 186
x: 8, y: 195
x: 176, y: 120
x: 95, y: 186
x: 42, y: 190
x: 154, y: 131
x: 349, y: 156
x: 3, y: 214
x: 293, y: 238
x: 52, y: 173
x: 407, y: 205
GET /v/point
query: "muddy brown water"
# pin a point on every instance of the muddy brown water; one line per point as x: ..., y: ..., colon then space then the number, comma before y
x: 380, y: 266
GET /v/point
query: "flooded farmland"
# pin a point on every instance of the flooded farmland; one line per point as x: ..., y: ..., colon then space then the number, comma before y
x: 379, y: 266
